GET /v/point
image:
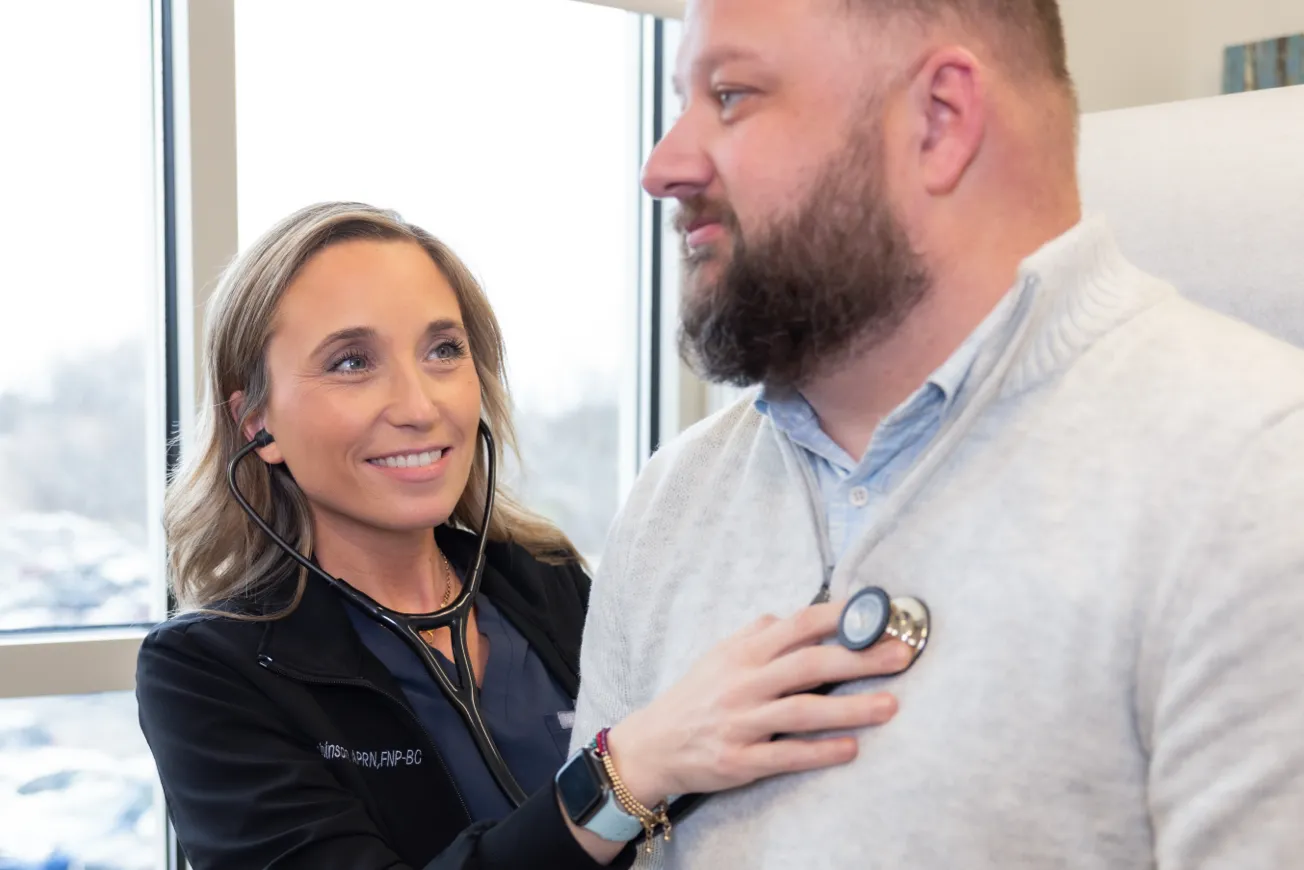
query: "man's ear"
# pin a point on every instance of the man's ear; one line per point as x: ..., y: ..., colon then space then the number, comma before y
x: 949, y: 96
x: 271, y: 454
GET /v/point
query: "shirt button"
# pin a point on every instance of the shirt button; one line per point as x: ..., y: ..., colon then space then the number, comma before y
x: 859, y: 496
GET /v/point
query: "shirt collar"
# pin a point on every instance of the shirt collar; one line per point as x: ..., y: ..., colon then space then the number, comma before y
x: 951, y: 375
x: 789, y: 410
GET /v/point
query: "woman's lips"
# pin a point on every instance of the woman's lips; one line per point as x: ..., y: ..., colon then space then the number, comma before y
x: 416, y: 467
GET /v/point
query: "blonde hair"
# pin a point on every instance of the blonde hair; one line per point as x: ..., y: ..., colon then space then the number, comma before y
x: 215, y: 552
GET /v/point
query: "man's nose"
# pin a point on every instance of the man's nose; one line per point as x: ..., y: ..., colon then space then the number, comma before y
x: 678, y: 166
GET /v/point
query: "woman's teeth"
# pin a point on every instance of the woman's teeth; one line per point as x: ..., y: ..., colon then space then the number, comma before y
x: 411, y: 460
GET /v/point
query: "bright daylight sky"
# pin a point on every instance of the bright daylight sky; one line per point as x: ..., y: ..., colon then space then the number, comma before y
x: 506, y: 127
x: 77, y: 183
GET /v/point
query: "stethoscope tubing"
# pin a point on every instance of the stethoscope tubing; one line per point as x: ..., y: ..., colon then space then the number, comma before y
x: 464, y: 694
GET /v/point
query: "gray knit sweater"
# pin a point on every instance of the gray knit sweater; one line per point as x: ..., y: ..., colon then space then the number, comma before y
x: 1110, y: 534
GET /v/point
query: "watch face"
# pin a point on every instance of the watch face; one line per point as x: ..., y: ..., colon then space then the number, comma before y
x: 580, y: 787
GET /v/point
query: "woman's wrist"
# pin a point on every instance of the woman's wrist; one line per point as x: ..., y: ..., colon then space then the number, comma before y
x: 638, y: 761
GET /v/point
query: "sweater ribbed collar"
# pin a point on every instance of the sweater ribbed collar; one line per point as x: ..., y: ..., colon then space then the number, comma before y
x: 1069, y: 294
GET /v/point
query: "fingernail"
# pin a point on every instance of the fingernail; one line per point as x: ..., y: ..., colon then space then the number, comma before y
x: 904, y: 656
x: 884, y: 703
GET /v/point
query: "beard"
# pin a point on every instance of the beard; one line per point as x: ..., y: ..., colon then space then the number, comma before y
x: 807, y: 293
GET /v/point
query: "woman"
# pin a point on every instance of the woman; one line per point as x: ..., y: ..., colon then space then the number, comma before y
x: 289, y: 729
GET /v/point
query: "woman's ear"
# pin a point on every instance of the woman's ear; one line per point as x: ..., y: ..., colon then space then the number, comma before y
x: 271, y: 454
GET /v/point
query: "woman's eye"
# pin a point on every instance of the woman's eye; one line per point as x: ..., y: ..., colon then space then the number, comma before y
x: 350, y: 364
x: 448, y: 351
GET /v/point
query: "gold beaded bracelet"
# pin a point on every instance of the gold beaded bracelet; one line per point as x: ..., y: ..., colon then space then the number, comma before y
x: 650, y: 819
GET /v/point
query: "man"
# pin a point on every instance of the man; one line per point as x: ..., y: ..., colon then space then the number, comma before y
x: 969, y: 396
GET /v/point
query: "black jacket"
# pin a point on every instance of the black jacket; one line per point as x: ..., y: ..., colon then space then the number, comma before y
x: 241, y: 716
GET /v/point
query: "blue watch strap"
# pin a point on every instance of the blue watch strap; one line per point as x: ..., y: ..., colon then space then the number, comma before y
x: 612, y: 823
x: 584, y: 771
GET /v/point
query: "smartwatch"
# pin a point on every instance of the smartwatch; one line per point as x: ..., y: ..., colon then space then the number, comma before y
x: 589, y: 800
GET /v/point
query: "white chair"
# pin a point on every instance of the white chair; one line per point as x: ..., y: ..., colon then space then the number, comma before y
x: 1209, y: 196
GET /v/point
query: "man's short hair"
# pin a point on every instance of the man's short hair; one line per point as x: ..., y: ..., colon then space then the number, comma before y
x: 1029, y: 33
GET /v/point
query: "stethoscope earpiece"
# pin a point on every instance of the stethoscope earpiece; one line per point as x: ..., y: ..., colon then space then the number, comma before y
x: 463, y: 694
x: 869, y: 616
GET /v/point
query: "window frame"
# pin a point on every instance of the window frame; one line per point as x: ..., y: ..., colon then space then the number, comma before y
x: 193, y: 72
x: 671, y: 396
x: 83, y: 660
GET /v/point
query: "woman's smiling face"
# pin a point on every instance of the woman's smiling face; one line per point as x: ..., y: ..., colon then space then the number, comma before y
x: 375, y: 400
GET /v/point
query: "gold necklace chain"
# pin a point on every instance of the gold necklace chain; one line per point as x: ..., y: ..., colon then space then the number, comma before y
x: 429, y: 634
x: 448, y: 581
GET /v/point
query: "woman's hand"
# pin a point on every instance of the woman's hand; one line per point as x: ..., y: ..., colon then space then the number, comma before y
x: 714, y: 729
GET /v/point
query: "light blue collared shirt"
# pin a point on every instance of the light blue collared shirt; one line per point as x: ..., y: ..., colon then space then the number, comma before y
x: 853, y: 491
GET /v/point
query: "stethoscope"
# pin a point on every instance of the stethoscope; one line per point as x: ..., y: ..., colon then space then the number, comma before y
x: 867, y: 617
x: 463, y: 695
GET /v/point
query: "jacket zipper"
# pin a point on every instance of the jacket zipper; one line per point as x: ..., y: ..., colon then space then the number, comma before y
x: 267, y: 663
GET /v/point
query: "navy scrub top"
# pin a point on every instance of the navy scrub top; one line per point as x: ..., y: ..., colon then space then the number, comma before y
x: 528, y: 713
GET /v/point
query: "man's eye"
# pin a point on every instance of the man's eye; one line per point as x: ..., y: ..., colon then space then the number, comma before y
x: 727, y: 99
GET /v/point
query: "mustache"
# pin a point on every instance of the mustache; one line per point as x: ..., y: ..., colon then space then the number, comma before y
x: 699, y: 210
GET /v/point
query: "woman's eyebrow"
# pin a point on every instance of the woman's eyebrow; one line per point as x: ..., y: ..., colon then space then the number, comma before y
x: 351, y: 333
x: 444, y: 324
x: 366, y: 333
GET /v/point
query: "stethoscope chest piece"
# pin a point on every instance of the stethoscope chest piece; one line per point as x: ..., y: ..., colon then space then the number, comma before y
x: 870, y: 615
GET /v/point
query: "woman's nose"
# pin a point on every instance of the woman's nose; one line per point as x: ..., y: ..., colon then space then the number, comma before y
x: 414, y: 399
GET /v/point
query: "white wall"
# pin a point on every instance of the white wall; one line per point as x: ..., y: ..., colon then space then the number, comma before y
x: 1137, y: 52
x: 1218, y: 23
x: 1125, y: 52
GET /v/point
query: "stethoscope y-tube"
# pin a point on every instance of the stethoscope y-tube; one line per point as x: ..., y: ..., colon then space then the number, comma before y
x: 463, y: 695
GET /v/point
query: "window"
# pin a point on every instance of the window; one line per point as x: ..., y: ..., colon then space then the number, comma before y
x: 81, y: 461
x: 82, y: 433
x: 77, y: 786
x: 509, y: 129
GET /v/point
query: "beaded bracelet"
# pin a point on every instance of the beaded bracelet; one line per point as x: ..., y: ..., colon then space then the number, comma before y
x: 650, y: 819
